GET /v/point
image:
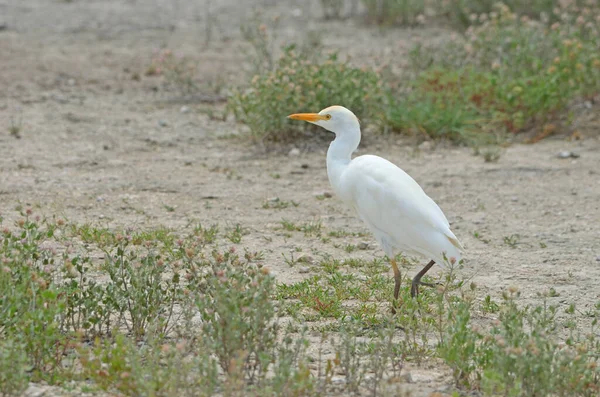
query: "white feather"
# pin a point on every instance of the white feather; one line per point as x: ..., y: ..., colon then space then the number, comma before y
x: 400, y: 215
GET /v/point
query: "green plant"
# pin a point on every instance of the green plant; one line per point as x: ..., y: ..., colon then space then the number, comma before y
x: 15, y: 128
x: 207, y: 235
x: 300, y: 83
x: 155, y: 368
x: 235, y: 235
x: 465, y: 13
x: 143, y: 288
x: 13, y: 367
x: 459, y: 346
x: 522, y: 354
x: 512, y: 240
x: 31, y: 302
x: 510, y: 74
x: 277, y: 203
x: 238, y: 315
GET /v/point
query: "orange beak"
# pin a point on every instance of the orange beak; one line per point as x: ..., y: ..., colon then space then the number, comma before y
x: 310, y: 117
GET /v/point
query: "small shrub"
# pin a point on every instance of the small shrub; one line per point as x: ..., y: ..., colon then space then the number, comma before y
x: 465, y: 13
x: 238, y: 315
x: 13, y: 367
x: 153, y: 368
x: 511, y: 74
x: 143, y: 288
x: 522, y: 354
x: 31, y: 302
x: 299, y: 83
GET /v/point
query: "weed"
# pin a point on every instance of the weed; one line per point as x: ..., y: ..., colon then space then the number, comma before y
x: 350, y: 248
x: 129, y: 324
x: 512, y: 240
x: 237, y: 313
x: 13, y: 367
x: 300, y: 83
x: 143, y: 288
x: 479, y: 237
x: 489, y: 306
x: 309, y: 228
x: 15, y: 128
x: 277, y: 203
x: 521, y: 354
x: 207, y: 235
x: 491, y: 155
x: 235, y: 235
x: 289, y: 226
x: 508, y: 75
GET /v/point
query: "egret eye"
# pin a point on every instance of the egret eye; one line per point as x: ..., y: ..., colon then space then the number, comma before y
x: 327, y: 117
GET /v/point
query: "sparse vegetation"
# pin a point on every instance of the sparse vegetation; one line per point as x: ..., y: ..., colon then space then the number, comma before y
x: 291, y: 297
x: 510, y: 74
x: 139, y: 306
x: 523, y: 352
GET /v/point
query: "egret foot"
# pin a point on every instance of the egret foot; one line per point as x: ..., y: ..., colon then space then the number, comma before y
x: 414, y: 289
x: 397, y: 279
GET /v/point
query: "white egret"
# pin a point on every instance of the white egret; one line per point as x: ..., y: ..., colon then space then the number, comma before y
x: 400, y: 215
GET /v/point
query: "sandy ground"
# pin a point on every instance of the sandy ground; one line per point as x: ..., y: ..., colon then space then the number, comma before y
x: 97, y: 145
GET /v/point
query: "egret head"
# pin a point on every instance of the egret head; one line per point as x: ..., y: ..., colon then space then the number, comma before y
x: 336, y: 119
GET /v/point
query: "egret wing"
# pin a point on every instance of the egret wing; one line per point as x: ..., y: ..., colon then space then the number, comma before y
x: 397, y: 209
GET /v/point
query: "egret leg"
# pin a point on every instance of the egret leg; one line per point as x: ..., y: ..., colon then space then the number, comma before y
x: 397, y: 279
x: 414, y: 289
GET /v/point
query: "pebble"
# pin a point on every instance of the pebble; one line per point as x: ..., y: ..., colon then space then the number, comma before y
x: 184, y: 109
x: 34, y: 391
x: 294, y: 152
x: 304, y: 269
x: 598, y: 259
x: 163, y: 123
x: 338, y: 380
x: 427, y: 145
x: 363, y: 245
x: 406, y: 377
x: 565, y: 154
x: 305, y: 258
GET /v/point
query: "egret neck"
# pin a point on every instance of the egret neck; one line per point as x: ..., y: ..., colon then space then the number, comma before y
x: 340, y: 152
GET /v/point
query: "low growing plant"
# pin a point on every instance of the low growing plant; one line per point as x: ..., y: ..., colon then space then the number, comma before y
x: 300, y: 83
x: 510, y: 74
